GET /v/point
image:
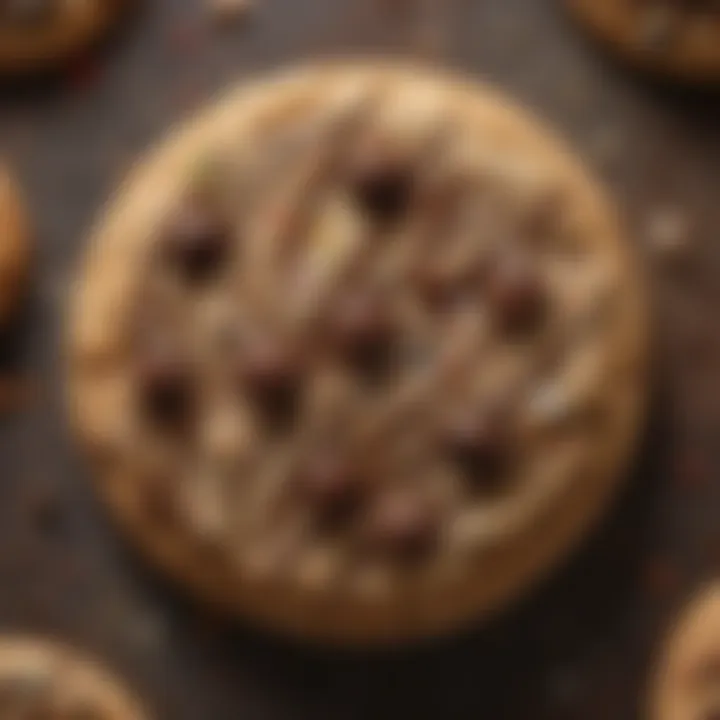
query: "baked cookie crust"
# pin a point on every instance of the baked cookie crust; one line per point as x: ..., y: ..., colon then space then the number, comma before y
x: 422, y: 342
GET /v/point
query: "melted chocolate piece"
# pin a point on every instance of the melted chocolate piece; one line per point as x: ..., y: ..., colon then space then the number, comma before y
x: 332, y: 486
x: 197, y: 242
x: 480, y: 443
x: 166, y: 386
x: 516, y: 293
x: 403, y: 525
x: 361, y: 328
x: 272, y: 373
x: 382, y: 183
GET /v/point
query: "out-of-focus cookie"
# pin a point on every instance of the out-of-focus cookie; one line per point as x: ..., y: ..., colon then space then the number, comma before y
x: 686, y: 684
x: 38, y: 34
x: 678, y: 38
x: 39, y: 679
x: 359, y: 353
x: 14, y: 247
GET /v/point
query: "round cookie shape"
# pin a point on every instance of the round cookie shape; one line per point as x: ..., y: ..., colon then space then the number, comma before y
x: 686, y: 683
x: 673, y: 38
x: 43, y: 679
x: 325, y: 447
x: 15, y: 247
x: 38, y: 34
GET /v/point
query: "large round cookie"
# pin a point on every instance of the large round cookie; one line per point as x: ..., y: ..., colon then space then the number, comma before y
x: 37, y: 34
x: 39, y: 679
x: 359, y: 353
x: 686, y: 684
x: 14, y: 247
x: 677, y: 38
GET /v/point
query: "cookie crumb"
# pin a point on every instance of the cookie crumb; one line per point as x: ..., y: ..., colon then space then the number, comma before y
x: 231, y: 12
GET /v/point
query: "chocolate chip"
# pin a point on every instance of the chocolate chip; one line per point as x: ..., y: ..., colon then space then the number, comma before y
x: 516, y: 293
x: 361, y: 328
x: 382, y: 182
x: 480, y: 443
x: 404, y: 525
x: 441, y: 289
x: 271, y: 371
x: 197, y: 242
x: 166, y: 385
x: 333, y: 486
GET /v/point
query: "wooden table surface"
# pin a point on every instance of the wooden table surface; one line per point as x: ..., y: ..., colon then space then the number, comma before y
x: 581, y: 645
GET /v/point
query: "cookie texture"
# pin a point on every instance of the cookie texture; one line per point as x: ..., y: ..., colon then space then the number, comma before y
x: 38, y: 34
x: 39, y: 679
x: 14, y: 248
x: 686, y: 685
x: 675, y: 38
x: 358, y: 353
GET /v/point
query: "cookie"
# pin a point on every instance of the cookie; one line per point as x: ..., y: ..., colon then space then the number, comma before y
x: 686, y: 684
x: 44, y: 680
x: 676, y: 38
x: 14, y: 248
x: 38, y: 34
x: 359, y: 353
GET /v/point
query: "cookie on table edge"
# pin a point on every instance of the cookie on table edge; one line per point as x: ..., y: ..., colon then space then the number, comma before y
x: 45, y: 42
x: 668, y: 38
x: 338, y: 549
x: 685, y: 684
x: 59, y: 683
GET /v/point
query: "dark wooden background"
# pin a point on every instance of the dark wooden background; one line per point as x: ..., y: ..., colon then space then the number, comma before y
x: 581, y: 646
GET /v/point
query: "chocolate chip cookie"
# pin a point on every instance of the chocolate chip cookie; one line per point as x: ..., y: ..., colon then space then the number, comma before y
x: 686, y: 685
x: 43, y: 680
x: 37, y: 34
x: 677, y: 38
x: 14, y: 247
x: 359, y: 353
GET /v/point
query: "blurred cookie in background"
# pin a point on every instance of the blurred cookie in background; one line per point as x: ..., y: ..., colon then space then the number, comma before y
x: 679, y: 39
x: 41, y: 679
x: 42, y: 34
x: 686, y: 683
x: 15, y: 247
